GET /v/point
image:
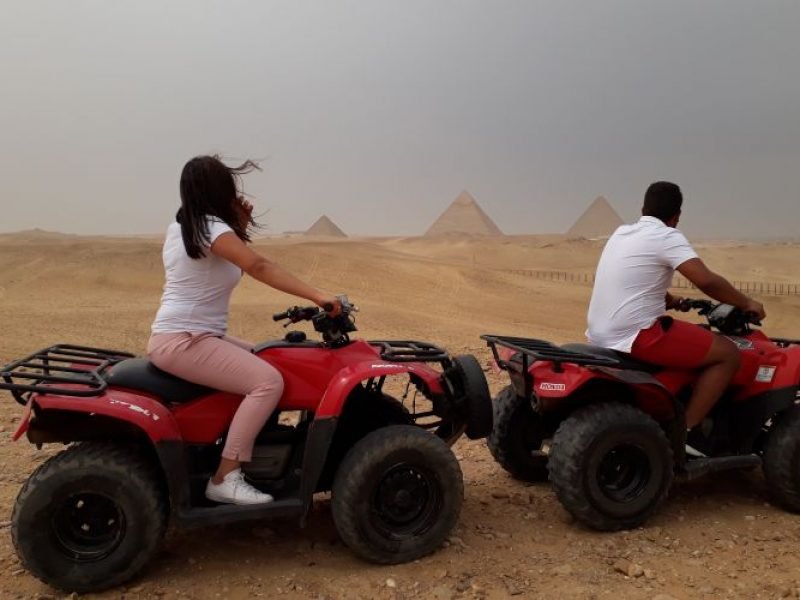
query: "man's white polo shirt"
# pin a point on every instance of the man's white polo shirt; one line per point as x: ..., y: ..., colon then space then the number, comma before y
x: 633, y: 276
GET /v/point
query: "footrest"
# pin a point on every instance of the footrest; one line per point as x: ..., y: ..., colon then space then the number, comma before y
x: 231, y: 513
x: 697, y: 467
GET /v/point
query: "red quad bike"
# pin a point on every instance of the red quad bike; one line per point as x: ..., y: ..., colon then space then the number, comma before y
x: 142, y: 445
x: 610, y: 430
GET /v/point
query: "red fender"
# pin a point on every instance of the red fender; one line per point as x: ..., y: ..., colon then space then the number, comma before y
x: 651, y: 394
x: 147, y: 414
x: 345, y: 380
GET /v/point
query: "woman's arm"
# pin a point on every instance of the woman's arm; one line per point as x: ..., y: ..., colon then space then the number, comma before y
x: 231, y: 248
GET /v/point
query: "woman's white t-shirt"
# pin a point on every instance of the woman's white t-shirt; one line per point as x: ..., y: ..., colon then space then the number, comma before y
x: 197, y: 292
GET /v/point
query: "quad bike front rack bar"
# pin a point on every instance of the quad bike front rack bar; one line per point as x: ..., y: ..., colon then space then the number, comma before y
x: 79, y: 368
x: 410, y: 351
x: 545, y: 351
x: 784, y: 342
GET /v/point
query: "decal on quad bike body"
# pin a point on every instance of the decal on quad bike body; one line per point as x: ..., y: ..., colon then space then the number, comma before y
x: 741, y: 343
x: 547, y: 386
x: 765, y: 374
x: 136, y: 408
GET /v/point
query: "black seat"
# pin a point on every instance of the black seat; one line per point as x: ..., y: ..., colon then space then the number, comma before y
x: 626, y: 360
x: 141, y: 374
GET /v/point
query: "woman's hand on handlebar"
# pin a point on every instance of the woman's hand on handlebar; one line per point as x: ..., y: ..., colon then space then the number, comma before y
x: 330, y: 304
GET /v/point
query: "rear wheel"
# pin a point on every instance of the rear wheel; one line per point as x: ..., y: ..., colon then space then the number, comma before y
x: 611, y: 466
x: 517, y: 437
x: 782, y: 460
x: 397, y: 495
x: 89, y: 518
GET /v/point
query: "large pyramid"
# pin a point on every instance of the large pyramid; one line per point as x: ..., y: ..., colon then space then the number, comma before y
x: 325, y: 227
x: 599, y: 220
x: 464, y: 216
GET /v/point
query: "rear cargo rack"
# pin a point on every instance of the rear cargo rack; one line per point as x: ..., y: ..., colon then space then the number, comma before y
x: 531, y: 350
x: 410, y: 351
x: 63, y: 369
x: 543, y: 350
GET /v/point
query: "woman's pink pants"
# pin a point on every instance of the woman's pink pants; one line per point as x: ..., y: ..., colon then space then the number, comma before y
x: 226, y: 364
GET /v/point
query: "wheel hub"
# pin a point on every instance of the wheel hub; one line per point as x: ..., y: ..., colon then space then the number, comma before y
x: 406, y: 501
x: 624, y: 473
x: 88, y: 526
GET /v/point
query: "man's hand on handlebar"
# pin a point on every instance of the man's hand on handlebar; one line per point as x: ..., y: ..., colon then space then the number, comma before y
x: 756, y: 309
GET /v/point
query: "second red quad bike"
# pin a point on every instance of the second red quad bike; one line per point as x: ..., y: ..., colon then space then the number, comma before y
x: 610, y: 431
x: 143, y: 444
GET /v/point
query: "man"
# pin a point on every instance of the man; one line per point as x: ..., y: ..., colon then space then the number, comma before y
x: 630, y: 297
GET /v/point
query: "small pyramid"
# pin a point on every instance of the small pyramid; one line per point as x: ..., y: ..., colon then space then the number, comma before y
x: 464, y: 215
x: 599, y: 220
x: 325, y: 227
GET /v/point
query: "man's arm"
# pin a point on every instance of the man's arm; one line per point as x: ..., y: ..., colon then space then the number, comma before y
x: 717, y: 287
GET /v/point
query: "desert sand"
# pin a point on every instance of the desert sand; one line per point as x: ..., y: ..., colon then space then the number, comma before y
x: 717, y: 537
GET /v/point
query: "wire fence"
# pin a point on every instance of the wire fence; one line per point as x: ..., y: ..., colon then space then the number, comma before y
x: 766, y: 288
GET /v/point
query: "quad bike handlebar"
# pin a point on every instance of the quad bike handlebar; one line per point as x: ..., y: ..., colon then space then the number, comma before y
x: 724, y: 317
x: 334, y: 330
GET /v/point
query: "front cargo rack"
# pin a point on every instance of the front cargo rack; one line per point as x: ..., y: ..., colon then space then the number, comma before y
x: 546, y: 351
x: 63, y: 369
x: 784, y: 342
x: 410, y: 351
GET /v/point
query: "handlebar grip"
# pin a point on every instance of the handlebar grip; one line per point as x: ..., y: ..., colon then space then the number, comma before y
x: 280, y: 316
x: 752, y: 318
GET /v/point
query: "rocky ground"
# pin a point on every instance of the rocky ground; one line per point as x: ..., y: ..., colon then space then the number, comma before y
x: 717, y: 537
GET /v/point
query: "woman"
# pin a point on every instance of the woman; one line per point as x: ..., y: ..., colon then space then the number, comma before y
x: 205, y: 254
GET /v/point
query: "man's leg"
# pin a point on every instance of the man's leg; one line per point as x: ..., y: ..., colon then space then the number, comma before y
x: 676, y: 344
x: 719, y: 367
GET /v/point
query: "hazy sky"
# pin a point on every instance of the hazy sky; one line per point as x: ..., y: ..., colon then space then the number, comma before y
x: 379, y: 113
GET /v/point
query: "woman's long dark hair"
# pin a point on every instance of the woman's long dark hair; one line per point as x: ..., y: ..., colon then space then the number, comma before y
x: 210, y: 188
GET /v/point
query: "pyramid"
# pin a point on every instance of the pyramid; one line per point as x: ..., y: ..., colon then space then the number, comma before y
x: 325, y: 227
x: 599, y: 220
x: 464, y: 216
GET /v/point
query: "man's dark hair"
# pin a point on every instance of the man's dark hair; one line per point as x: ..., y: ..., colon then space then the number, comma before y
x: 662, y: 200
x: 210, y: 188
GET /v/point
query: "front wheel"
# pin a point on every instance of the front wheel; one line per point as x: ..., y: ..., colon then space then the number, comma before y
x: 397, y: 495
x: 476, y: 396
x: 89, y: 518
x: 782, y: 460
x: 611, y: 466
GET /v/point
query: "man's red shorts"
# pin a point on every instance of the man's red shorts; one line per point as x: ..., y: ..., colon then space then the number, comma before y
x: 673, y: 343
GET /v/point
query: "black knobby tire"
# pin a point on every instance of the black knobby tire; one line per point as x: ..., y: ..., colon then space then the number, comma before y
x: 397, y: 495
x: 517, y: 437
x: 476, y: 394
x: 89, y: 518
x: 782, y: 460
x: 611, y: 466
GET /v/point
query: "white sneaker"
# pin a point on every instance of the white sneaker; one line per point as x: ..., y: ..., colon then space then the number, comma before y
x: 694, y: 452
x: 235, y: 490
